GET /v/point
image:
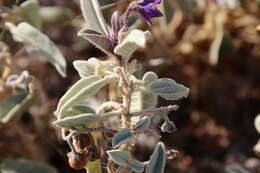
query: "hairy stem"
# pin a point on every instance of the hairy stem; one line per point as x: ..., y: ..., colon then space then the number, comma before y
x: 126, y: 120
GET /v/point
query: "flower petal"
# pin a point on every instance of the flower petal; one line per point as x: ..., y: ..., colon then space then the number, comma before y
x: 147, y: 2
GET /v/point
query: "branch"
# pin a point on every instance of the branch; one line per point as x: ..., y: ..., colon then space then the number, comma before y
x: 161, y: 109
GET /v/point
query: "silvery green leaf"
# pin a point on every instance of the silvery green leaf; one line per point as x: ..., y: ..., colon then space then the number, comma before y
x: 76, y: 110
x: 149, y: 77
x: 123, y: 136
x: 30, y: 9
x: 142, y: 100
x: 136, y: 166
x: 99, y: 40
x: 236, y: 168
x: 79, y: 85
x: 134, y: 40
x: 157, y: 161
x: 143, y: 124
x: 15, y: 104
x: 34, y: 40
x: 186, y: 7
x: 83, y: 119
x: 257, y: 123
x: 86, y: 68
x: 120, y: 157
x: 93, y: 16
x: 25, y: 166
x: 79, y: 92
x: 169, y: 89
x: 56, y: 15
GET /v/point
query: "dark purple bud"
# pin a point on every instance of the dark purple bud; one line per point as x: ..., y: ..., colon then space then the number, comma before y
x: 115, y: 22
x: 116, y: 26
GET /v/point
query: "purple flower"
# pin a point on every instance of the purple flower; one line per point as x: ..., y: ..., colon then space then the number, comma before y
x: 147, y: 9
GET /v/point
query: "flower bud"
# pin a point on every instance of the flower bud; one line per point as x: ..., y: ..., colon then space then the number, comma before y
x: 168, y: 126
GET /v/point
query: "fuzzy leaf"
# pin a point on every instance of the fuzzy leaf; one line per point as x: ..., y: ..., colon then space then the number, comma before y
x: 76, y: 110
x: 25, y: 166
x: 142, y: 100
x: 83, y: 119
x: 76, y: 88
x: 82, y: 90
x: 30, y: 9
x: 120, y: 157
x: 136, y: 166
x: 34, y: 40
x: 134, y: 40
x: 56, y: 15
x: 169, y: 89
x: 257, y: 123
x: 93, y: 16
x: 157, y: 161
x: 16, y: 104
x: 86, y: 68
x: 236, y: 169
x: 143, y: 124
x: 99, y: 40
x: 149, y: 77
x: 122, y: 137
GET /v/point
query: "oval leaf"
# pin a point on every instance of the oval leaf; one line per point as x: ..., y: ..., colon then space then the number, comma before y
x: 84, y: 68
x: 97, y: 39
x: 149, y: 77
x: 123, y: 136
x: 79, y: 92
x: 34, y: 40
x: 30, y: 9
x: 169, y: 89
x: 83, y: 119
x: 76, y: 88
x: 25, y: 166
x: 134, y: 40
x: 142, y: 100
x: 87, y: 68
x: 136, y: 166
x: 157, y: 161
x: 120, y: 157
x: 76, y: 110
x: 236, y: 168
x: 93, y: 16
x: 15, y: 105
x: 143, y: 124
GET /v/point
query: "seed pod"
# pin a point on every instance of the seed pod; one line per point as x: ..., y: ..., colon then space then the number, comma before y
x: 81, y: 142
x: 168, y: 126
x: 77, y: 161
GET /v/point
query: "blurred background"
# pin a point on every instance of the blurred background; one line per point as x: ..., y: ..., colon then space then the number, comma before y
x: 212, y: 47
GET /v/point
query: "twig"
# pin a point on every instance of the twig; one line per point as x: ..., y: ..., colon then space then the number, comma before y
x: 161, y: 109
